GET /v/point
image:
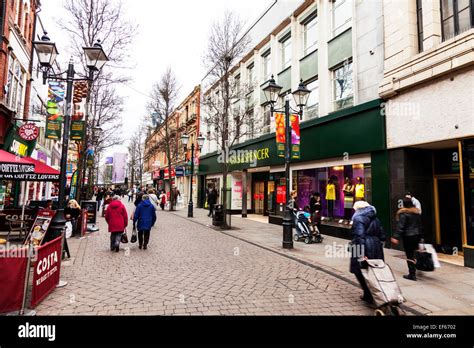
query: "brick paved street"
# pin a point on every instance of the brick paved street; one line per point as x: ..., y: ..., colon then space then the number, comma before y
x: 190, y: 269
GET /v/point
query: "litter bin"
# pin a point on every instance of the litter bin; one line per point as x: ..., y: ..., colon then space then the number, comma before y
x: 218, y: 218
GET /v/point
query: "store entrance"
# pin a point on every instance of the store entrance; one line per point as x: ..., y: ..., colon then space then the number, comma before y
x: 448, y: 212
x: 259, y: 197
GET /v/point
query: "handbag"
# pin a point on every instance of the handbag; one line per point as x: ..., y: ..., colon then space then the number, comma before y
x: 124, y: 238
x: 424, y: 261
x: 134, y: 235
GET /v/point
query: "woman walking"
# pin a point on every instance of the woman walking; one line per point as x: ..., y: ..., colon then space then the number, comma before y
x: 144, y: 218
x: 117, y: 219
x: 409, y: 230
x: 367, y: 243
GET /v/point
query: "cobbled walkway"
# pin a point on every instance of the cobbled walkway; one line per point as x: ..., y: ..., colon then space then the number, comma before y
x: 190, y: 269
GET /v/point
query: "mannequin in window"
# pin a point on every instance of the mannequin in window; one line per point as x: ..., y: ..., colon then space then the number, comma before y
x: 348, y: 190
x: 359, y: 190
x: 331, y: 197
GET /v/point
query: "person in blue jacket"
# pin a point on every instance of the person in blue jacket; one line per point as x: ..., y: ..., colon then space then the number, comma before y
x: 144, y: 218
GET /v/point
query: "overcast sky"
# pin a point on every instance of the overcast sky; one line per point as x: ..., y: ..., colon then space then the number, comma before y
x: 170, y: 33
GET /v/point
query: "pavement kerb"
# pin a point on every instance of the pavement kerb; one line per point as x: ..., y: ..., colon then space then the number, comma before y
x: 326, y: 269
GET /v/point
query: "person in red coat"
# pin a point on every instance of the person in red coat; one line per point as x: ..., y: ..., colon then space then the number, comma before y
x: 117, y: 219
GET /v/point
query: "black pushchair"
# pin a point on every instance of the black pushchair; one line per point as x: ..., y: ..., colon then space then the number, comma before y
x: 302, y: 222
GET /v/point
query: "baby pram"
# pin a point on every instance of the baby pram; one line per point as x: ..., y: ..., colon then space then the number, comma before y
x: 303, y: 232
x: 383, y: 287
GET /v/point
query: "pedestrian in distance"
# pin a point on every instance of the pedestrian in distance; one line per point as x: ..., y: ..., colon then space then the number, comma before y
x: 211, y: 200
x: 144, y: 218
x: 315, y: 207
x: 409, y: 230
x: 292, y: 204
x: 415, y: 201
x: 153, y: 198
x: 99, y: 197
x: 162, y: 199
x: 130, y: 195
x: 117, y: 220
x: 367, y: 243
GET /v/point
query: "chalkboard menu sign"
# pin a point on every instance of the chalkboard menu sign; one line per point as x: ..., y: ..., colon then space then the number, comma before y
x: 91, y: 207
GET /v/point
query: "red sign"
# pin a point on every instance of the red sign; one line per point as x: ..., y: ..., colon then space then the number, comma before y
x: 47, y: 270
x: 281, y: 194
x: 173, y: 173
x: 12, y: 275
x: 28, y: 132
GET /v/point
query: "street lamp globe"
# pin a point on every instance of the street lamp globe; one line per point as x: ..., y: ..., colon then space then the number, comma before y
x: 301, y: 95
x: 95, y: 56
x: 185, y: 139
x: 272, y: 90
x: 46, y: 51
x: 200, y: 141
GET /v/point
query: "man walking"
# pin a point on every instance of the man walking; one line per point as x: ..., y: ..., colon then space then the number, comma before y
x: 211, y: 200
x: 144, y: 218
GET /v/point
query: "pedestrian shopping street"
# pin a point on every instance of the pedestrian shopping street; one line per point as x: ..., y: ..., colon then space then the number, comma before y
x: 191, y: 268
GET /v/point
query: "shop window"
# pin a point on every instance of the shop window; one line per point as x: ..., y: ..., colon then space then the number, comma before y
x: 339, y: 187
x: 456, y: 17
x: 343, y: 86
x: 341, y: 16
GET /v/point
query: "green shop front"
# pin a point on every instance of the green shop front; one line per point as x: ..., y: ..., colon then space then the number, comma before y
x: 343, y: 158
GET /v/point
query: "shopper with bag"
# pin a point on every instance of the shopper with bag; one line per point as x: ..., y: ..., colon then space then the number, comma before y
x: 117, y: 220
x: 409, y: 230
x: 144, y: 218
x: 367, y: 243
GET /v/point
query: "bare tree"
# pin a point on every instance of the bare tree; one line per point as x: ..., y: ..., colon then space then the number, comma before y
x: 136, y: 152
x: 223, y: 102
x: 163, y: 99
x: 87, y: 22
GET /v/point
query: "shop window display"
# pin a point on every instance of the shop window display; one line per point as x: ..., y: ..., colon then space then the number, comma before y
x: 339, y: 187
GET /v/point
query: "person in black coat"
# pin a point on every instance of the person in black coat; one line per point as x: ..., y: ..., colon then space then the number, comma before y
x: 367, y: 242
x: 409, y: 230
x: 315, y: 208
x: 211, y: 200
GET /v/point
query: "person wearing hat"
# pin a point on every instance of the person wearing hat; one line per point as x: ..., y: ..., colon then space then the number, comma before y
x: 144, y: 218
x: 367, y: 243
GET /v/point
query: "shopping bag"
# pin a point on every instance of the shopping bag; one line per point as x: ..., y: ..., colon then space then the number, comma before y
x: 124, y: 238
x: 134, y: 236
x: 68, y: 229
x: 430, y: 248
x: 424, y: 261
x: 206, y: 206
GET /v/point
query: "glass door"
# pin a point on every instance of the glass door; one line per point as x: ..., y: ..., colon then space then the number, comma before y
x: 258, y: 197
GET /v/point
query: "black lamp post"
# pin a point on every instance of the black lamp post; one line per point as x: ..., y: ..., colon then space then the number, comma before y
x: 95, y: 60
x: 301, y: 95
x: 200, y: 142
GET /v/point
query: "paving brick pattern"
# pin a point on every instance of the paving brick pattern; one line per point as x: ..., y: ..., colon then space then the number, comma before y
x: 190, y: 269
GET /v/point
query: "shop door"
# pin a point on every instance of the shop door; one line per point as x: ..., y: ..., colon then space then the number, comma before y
x: 448, y: 212
x: 258, y: 197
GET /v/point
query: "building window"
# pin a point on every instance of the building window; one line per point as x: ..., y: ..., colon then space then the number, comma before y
x: 285, y: 47
x: 250, y: 124
x: 267, y: 120
x: 343, y: 86
x: 266, y: 66
x: 250, y: 76
x: 456, y: 17
x: 15, y: 85
x: 419, y: 24
x: 341, y: 16
x: 310, y: 35
x: 312, y: 107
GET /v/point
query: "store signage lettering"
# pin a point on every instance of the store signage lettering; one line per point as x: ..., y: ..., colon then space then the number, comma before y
x: 30, y: 177
x: 10, y: 168
x: 28, y: 132
x: 245, y: 156
x: 18, y: 148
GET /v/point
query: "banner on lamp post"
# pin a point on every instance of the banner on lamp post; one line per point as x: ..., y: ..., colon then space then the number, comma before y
x: 295, y: 137
x: 53, y: 129
x: 280, y: 134
x: 77, y: 130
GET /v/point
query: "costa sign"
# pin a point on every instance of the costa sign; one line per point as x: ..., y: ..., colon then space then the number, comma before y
x: 28, y: 132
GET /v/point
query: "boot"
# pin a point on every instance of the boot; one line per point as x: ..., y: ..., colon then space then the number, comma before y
x: 411, y: 271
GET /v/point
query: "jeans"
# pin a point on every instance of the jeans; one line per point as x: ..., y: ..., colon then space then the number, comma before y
x: 98, y: 204
x: 129, y: 198
x: 143, y: 237
x: 115, y: 238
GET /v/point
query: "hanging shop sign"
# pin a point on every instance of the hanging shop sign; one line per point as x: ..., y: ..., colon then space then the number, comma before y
x: 53, y: 129
x: 28, y: 132
x: 77, y: 130
x: 179, y: 171
x: 54, y: 107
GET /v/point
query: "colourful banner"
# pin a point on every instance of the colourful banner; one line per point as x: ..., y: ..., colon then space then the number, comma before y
x: 54, y: 109
x: 77, y: 130
x: 46, y: 271
x: 12, y: 274
x: 280, y: 134
x: 295, y: 137
x: 53, y: 130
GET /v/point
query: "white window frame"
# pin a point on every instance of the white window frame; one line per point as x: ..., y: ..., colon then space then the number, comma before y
x: 313, y: 107
x: 350, y: 73
x: 335, y: 5
x: 15, y: 85
x: 266, y: 65
x: 285, y: 62
x: 312, y: 23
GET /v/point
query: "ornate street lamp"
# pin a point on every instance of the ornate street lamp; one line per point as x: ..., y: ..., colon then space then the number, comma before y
x: 301, y: 95
x: 200, y: 143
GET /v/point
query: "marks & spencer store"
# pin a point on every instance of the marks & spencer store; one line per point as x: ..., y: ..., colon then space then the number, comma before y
x: 343, y: 158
